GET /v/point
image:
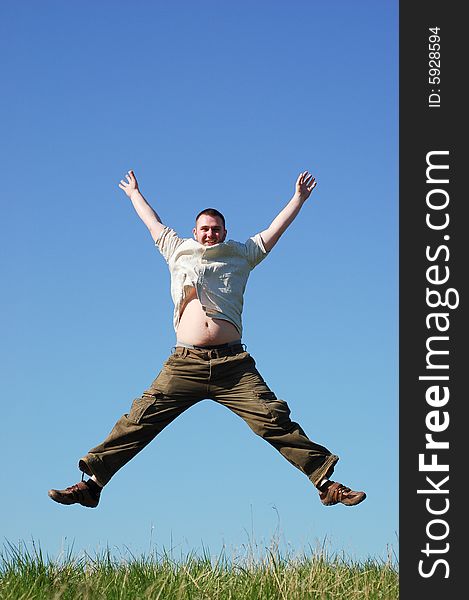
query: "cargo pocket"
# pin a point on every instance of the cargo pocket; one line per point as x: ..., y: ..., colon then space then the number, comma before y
x: 278, y: 409
x: 142, y: 407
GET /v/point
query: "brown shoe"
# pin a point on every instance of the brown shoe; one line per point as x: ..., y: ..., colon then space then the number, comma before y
x: 86, y: 493
x: 336, y: 492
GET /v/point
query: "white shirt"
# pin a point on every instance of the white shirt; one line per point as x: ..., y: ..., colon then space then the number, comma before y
x: 218, y: 273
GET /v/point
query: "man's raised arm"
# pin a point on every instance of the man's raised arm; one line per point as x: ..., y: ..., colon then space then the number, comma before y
x: 142, y: 208
x: 303, y: 188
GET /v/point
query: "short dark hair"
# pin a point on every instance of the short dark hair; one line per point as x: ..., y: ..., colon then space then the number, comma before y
x: 213, y: 212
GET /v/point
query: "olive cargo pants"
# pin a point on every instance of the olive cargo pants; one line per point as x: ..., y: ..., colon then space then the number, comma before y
x: 226, y: 375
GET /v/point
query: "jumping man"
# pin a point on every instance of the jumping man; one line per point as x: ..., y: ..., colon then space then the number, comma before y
x: 208, y: 279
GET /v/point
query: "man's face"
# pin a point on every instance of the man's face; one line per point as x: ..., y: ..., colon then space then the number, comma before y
x: 209, y: 230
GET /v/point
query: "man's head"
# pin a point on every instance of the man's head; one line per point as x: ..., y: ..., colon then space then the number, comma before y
x: 209, y: 227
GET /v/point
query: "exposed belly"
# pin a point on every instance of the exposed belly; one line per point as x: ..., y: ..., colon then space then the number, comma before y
x: 198, y: 329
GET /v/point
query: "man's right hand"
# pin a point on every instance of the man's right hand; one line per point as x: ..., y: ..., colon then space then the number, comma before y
x: 130, y: 185
x: 143, y: 209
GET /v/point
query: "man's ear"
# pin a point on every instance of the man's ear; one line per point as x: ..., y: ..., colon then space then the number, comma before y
x: 194, y: 231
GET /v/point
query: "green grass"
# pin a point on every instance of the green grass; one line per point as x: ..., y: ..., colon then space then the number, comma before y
x: 27, y: 575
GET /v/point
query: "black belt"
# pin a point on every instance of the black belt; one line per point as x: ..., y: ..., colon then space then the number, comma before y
x: 211, y: 351
x: 217, y: 347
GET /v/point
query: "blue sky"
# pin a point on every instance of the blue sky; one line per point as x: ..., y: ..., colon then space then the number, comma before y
x: 212, y: 104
